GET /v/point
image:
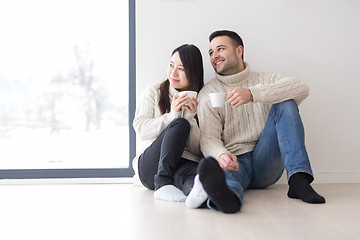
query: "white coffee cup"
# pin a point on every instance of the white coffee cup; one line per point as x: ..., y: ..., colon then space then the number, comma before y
x: 217, y: 99
x: 190, y: 94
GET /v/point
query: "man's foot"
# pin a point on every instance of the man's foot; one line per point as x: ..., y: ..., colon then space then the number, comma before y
x: 213, y: 180
x: 169, y: 193
x: 299, y: 187
x: 197, y: 196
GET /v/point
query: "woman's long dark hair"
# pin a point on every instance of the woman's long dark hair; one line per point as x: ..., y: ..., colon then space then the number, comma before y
x: 191, y: 59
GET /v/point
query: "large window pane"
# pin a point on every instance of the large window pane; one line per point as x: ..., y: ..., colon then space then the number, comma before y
x: 64, y: 84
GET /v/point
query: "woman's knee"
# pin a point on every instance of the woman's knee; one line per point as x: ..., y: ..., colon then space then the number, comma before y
x: 181, y: 123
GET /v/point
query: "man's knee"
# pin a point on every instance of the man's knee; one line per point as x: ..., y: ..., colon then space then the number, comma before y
x: 286, y: 106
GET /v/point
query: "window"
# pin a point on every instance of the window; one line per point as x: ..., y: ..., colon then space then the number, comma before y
x: 65, y: 88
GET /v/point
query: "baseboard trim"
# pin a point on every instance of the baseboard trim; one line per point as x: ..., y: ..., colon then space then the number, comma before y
x: 67, y: 181
x: 322, y: 178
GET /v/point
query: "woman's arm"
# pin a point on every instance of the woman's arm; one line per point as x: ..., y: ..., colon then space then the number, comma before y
x: 148, y: 122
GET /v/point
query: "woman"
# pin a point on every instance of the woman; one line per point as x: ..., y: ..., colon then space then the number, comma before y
x: 167, y: 122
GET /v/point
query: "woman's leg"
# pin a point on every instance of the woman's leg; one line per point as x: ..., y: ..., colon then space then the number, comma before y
x: 185, y: 174
x: 172, y: 148
x: 148, y: 162
x: 158, y: 162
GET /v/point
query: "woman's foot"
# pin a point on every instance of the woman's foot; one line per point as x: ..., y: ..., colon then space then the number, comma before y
x: 169, y: 193
x: 197, y: 196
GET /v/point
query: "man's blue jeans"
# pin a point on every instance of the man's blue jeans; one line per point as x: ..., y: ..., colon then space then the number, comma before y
x: 281, y: 144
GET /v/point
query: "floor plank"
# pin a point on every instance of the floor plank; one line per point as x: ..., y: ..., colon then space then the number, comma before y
x: 124, y: 211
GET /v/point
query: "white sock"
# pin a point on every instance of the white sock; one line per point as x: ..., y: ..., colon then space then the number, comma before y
x: 169, y: 193
x: 197, y: 196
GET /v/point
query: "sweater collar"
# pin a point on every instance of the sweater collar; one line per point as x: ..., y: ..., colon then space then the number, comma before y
x: 235, y: 78
x: 172, y: 91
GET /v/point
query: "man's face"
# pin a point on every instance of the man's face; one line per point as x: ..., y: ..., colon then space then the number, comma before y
x: 224, y: 57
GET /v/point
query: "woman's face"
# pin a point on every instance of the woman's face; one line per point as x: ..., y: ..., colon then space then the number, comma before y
x: 176, y: 73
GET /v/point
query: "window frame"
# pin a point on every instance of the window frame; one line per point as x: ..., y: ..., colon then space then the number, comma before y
x: 95, y: 172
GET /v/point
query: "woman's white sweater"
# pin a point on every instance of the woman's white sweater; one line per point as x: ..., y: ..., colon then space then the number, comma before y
x: 236, y: 130
x: 149, y: 124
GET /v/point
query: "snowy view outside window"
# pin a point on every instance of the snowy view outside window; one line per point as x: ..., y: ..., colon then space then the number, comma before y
x: 64, y: 84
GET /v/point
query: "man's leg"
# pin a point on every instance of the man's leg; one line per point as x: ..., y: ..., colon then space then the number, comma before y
x: 233, y: 184
x: 213, y: 179
x: 282, y: 144
x: 238, y: 181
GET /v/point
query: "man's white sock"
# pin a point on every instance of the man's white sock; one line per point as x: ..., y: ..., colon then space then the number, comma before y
x: 197, y: 196
x: 169, y: 193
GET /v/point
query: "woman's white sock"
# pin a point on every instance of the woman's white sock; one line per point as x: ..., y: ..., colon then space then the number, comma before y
x: 197, y: 196
x: 169, y: 193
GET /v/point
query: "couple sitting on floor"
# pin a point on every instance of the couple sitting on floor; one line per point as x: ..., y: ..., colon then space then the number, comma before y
x: 247, y: 143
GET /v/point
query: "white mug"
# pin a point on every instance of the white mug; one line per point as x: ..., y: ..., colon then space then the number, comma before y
x: 190, y: 94
x: 217, y: 99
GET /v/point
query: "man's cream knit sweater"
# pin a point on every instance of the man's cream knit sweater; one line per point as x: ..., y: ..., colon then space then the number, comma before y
x: 149, y: 124
x: 236, y: 130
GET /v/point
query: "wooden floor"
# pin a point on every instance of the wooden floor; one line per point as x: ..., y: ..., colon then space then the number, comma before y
x: 124, y: 211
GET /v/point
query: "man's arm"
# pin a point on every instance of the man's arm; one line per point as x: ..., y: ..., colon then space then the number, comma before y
x: 279, y: 88
x: 239, y: 96
x: 228, y: 162
x: 211, y: 127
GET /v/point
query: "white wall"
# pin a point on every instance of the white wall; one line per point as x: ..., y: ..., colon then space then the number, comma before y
x: 318, y: 41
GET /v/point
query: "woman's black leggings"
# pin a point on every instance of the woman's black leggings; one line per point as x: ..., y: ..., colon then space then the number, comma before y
x: 161, y: 163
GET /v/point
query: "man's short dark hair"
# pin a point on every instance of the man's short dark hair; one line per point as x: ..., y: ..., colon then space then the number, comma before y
x: 236, y: 39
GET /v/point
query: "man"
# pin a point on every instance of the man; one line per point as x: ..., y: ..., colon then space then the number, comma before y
x: 254, y: 136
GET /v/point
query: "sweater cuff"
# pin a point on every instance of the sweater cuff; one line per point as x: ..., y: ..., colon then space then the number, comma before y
x: 187, y: 115
x: 214, y: 151
x: 175, y: 114
x: 255, y: 91
x: 218, y: 154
